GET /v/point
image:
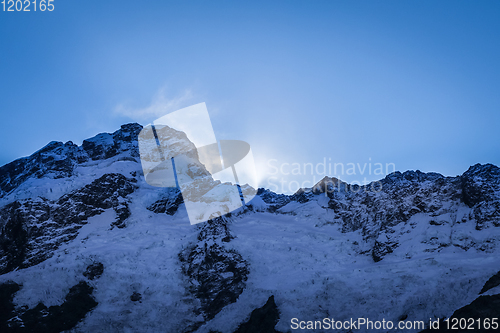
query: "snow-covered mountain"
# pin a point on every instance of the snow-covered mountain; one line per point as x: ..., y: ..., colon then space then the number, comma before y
x: 87, y: 245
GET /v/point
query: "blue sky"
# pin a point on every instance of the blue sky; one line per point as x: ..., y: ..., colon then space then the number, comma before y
x: 414, y: 83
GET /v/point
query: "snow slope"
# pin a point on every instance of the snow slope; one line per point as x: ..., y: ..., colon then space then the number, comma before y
x: 420, y: 248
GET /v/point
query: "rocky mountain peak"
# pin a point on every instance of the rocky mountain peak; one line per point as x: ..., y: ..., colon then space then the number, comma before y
x: 58, y: 160
x: 323, y: 250
x: 106, y: 145
x: 327, y: 184
x: 481, y: 182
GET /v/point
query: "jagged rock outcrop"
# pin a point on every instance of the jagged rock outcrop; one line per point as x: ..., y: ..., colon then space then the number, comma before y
x: 382, y: 210
x: 54, y: 319
x: 7, y: 307
x: 479, y: 316
x: 273, y: 200
x: 291, y: 246
x: 31, y: 229
x: 106, y: 145
x: 169, y: 204
x: 262, y: 319
x: 492, y: 282
x: 55, y: 160
x: 481, y: 192
x: 217, y: 274
x: 94, y: 271
x: 58, y: 160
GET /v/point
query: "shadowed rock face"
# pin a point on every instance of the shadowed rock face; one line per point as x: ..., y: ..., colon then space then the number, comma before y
x: 58, y: 318
x: 169, y: 204
x: 31, y: 229
x: 493, y: 282
x: 480, y: 183
x: 379, y: 209
x: 481, y: 191
x: 58, y: 160
x: 94, y: 271
x: 376, y: 209
x: 54, y: 319
x: 483, y: 309
x: 382, y: 249
x: 396, y: 199
x: 104, y: 145
x: 7, y: 292
x: 262, y: 319
x: 218, y: 274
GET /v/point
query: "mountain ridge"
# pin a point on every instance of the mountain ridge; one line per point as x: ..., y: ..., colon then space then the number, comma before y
x: 66, y: 207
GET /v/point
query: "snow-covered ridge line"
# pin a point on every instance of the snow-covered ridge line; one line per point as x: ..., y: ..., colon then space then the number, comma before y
x: 60, y: 160
x: 423, y: 246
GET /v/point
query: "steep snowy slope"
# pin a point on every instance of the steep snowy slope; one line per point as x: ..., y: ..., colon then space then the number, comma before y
x: 80, y: 228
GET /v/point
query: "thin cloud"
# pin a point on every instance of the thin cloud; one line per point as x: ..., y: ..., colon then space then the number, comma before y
x: 161, y: 104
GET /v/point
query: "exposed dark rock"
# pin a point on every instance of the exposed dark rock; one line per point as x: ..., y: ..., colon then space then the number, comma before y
x: 32, y: 229
x: 106, y: 145
x: 220, y: 274
x: 492, y: 282
x: 13, y: 239
x: 105, y: 192
x: 473, y: 181
x: 274, y: 200
x: 54, y: 319
x: 483, y: 308
x: 215, y: 229
x: 168, y: 205
x: 58, y: 160
x: 381, y: 249
x: 94, y: 271
x: 55, y: 160
x: 7, y: 291
x: 481, y: 191
x: 135, y: 297
x: 301, y: 196
x: 122, y: 213
x: 327, y: 185
x: 377, y: 208
x: 262, y: 320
